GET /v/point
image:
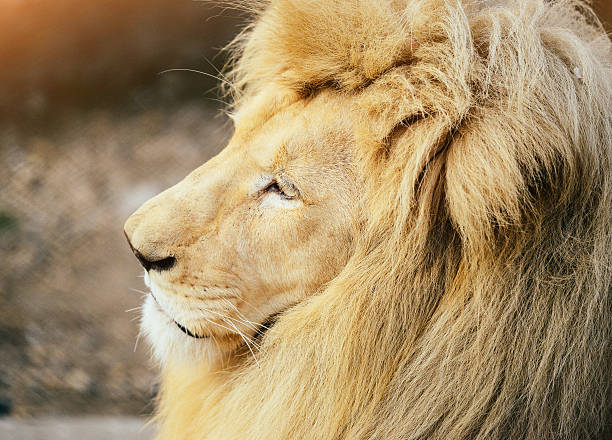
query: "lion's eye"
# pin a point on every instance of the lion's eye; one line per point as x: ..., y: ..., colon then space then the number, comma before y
x: 285, y: 189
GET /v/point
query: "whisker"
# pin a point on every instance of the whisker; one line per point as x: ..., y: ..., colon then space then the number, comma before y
x: 242, y: 335
x: 240, y: 314
x: 218, y: 72
x: 243, y: 317
x: 211, y: 64
x: 250, y: 339
x: 138, y: 291
x: 137, y: 339
x: 222, y: 326
x: 198, y: 72
x: 244, y: 338
x: 250, y: 324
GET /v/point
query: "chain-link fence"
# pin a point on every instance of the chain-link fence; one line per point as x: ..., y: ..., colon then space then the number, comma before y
x: 89, y: 131
x: 68, y: 276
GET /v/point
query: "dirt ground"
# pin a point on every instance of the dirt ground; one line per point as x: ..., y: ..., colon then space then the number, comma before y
x: 71, y: 428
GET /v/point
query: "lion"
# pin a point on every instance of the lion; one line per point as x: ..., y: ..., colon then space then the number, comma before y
x: 407, y: 237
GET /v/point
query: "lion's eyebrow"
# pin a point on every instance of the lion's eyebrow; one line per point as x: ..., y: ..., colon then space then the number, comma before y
x: 263, y: 181
x: 281, y: 156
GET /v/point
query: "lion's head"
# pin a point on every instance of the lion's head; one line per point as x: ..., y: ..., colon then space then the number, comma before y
x: 407, y: 237
x: 253, y: 231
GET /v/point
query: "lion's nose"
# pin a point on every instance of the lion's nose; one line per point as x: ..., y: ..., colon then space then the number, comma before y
x: 152, y: 263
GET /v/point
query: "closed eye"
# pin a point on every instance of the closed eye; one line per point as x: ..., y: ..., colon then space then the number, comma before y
x: 285, y: 189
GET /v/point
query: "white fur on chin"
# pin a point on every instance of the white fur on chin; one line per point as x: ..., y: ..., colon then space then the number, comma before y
x: 169, y: 342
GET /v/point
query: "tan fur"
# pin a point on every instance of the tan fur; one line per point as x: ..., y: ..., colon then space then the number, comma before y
x: 466, y: 290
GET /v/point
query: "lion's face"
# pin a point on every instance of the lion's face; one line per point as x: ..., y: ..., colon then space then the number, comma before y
x: 253, y: 231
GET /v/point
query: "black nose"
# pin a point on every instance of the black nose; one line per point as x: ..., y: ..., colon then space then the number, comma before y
x: 148, y: 264
x: 159, y: 265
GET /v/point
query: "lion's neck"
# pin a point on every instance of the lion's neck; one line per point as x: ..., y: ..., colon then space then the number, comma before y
x: 188, y: 397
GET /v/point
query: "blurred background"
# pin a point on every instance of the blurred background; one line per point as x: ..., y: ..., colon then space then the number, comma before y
x: 90, y: 128
x: 94, y: 120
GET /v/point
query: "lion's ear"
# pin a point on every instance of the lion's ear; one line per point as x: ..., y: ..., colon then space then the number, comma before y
x: 502, y: 174
x: 484, y: 181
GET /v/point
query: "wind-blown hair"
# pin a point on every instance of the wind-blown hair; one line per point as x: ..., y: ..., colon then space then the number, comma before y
x: 477, y: 301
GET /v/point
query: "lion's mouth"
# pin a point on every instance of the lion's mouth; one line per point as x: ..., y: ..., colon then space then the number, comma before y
x: 180, y: 326
x: 188, y: 333
x: 259, y: 334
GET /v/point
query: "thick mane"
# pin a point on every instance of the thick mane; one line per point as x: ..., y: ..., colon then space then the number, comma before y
x: 477, y: 303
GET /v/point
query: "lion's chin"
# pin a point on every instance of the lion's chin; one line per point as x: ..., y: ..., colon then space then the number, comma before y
x: 171, y: 343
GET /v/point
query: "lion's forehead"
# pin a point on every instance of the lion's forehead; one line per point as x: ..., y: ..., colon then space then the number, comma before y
x: 280, y: 131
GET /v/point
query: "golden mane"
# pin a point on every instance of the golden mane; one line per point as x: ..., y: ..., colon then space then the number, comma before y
x: 477, y: 303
